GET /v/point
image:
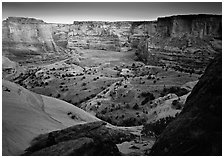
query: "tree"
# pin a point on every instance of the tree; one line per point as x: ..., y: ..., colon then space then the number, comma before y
x: 84, y: 84
x: 136, y: 106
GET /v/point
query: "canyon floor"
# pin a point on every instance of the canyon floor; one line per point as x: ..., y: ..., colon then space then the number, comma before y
x: 111, y: 86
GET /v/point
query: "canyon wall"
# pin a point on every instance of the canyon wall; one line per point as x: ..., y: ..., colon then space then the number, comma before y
x: 191, y: 25
x: 25, y: 38
x: 182, y: 42
x: 93, y: 35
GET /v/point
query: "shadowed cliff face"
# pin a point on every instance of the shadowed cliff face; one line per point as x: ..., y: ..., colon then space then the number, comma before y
x: 198, y: 129
x: 184, y: 42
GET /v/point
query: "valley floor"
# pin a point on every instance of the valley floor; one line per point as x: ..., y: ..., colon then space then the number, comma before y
x: 110, y: 85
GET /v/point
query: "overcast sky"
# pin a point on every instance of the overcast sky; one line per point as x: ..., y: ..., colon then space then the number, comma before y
x: 68, y: 12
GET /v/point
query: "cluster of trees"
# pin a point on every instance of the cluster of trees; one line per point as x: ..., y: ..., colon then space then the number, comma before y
x: 67, y: 75
x: 94, y: 79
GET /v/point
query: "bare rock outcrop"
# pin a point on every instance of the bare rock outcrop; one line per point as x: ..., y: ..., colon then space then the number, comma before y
x: 198, y: 129
x: 90, y: 139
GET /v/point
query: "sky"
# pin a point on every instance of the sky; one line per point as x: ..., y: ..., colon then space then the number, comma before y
x: 67, y: 12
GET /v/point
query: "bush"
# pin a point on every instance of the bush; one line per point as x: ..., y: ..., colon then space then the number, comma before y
x: 176, y: 90
x: 146, y: 100
x: 157, y: 127
x: 148, y: 94
x: 84, y: 84
x: 148, y: 97
x: 129, y: 122
x: 136, y: 107
x: 177, y: 105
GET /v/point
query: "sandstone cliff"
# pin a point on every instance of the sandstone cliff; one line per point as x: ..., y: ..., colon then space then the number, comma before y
x: 23, y: 38
x: 184, y: 42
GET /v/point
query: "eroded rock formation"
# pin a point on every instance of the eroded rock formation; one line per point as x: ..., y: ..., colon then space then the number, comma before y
x: 184, y: 42
x: 90, y: 139
x: 198, y: 129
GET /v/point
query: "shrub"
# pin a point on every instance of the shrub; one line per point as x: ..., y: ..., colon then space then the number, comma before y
x: 129, y: 122
x: 146, y: 100
x: 104, y: 111
x: 148, y: 94
x: 136, y: 107
x: 84, y: 84
x: 177, y: 105
x: 176, y: 90
x: 148, y: 97
x: 69, y: 113
x: 157, y: 127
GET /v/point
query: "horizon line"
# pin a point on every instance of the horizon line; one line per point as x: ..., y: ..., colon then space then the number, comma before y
x: 134, y: 20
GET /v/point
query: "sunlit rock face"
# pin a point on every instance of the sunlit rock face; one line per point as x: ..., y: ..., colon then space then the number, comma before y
x: 191, y: 25
x: 184, y: 42
x: 25, y: 38
x: 93, y: 35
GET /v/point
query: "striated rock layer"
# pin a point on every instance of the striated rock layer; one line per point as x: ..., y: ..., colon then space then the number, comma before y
x: 198, y: 129
x: 184, y: 42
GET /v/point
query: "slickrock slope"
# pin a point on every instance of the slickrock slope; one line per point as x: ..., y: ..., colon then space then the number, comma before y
x: 47, y: 126
x: 198, y: 129
x: 25, y: 115
x: 10, y: 69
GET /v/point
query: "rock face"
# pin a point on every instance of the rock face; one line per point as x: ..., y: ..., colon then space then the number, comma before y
x: 184, y: 41
x: 91, y: 139
x: 22, y: 20
x: 25, y: 38
x: 198, y: 129
x: 191, y: 25
x: 25, y: 115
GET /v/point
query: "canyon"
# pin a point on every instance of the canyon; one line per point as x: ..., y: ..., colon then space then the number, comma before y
x: 185, y: 42
x: 112, y: 88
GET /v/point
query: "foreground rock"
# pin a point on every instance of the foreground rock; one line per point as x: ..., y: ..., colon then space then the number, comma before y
x: 198, y: 129
x: 90, y: 139
x: 25, y: 115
